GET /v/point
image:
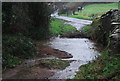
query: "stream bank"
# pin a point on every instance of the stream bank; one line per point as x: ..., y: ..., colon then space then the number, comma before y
x: 44, y: 65
x: 105, y: 30
x: 82, y: 49
x: 76, y: 51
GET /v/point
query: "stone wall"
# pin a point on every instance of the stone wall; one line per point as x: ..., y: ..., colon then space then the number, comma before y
x: 115, y: 32
x: 110, y: 28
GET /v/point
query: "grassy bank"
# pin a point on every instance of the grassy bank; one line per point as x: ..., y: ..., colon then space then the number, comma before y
x: 78, y: 16
x: 53, y: 64
x: 96, y: 33
x: 92, y: 31
x: 105, y: 67
x: 59, y: 28
x: 93, y: 10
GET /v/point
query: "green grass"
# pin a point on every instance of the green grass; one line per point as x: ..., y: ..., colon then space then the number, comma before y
x: 94, y: 9
x: 78, y: 16
x: 53, y: 64
x: 59, y: 28
x: 97, y: 9
x: 105, y: 66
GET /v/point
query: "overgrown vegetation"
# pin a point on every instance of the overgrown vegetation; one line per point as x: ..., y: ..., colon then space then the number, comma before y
x: 59, y: 28
x: 54, y: 64
x: 30, y: 19
x: 97, y: 32
x: 22, y: 23
x: 16, y: 48
x: 92, y: 32
x: 105, y: 67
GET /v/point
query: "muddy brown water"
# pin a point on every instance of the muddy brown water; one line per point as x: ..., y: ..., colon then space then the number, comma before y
x: 82, y: 49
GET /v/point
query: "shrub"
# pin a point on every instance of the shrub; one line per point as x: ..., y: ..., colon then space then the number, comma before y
x: 96, y: 32
x: 11, y: 61
x: 19, y: 46
x: 16, y: 48
x: 91, y: 31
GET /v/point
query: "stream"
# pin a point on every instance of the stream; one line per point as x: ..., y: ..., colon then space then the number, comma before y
x: 82, y: 49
